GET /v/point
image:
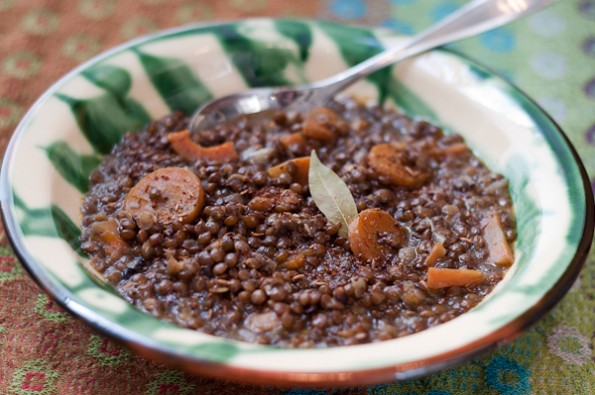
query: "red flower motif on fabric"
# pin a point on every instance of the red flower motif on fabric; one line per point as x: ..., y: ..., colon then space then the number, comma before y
x: 33, y: 381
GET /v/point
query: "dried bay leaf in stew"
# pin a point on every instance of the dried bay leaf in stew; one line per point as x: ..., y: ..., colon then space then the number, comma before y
x: 331, y: 195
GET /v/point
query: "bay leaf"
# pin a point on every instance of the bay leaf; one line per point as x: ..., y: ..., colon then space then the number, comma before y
x: 331, y: 195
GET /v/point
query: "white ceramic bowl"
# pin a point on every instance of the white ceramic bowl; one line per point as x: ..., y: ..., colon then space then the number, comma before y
x: 81, y: 116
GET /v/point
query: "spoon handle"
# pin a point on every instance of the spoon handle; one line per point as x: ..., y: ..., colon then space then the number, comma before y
x: 476, y: 17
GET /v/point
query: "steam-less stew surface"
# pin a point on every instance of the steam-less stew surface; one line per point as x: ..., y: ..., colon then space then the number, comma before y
x: 218, y: 231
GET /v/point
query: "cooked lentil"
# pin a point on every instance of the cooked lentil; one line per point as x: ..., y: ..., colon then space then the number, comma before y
x: 260, y: 263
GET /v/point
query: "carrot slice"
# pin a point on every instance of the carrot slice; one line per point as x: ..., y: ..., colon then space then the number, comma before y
x: 498, y: 248
x: 107, y: 232
x: 295, y: 262
x: 182, y: 144
x: 171, y: 194
x: 437, y: 252
x: 300, y: 175
x: 385, y: 160
x: 293, y: 139
x: 321, y: 124
x: 364, y: 230
x: 444, y: 277
x: 454, y: 149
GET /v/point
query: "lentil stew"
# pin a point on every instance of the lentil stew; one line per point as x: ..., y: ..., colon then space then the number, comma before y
x: 218, y: 232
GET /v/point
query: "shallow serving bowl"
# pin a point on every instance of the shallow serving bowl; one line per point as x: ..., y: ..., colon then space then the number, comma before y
x: 84, y: 114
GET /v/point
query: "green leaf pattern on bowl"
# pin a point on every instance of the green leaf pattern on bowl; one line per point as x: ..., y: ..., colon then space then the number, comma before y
x: 103, y: 132
x: 72, y: 166
x: 175, y: 81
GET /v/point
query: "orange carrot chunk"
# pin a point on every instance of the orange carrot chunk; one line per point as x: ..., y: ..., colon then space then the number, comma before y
x: 182, y: 144
x: 292, y: 140
x: 454, y: 149
x: 385, y: 160
x: 320, y: 124
x: 365, y: 228
x: 294, y: 262
x: 107, y: 233
x: 436, y: 253
x: 498, y: 248
x: 444, y: 277
x: 300, y: 174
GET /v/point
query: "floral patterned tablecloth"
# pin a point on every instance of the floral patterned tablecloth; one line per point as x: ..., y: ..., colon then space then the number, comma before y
x: 550, y: 55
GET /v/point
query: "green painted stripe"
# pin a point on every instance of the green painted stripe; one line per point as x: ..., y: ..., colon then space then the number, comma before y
x: 73, y: 167
x: 105, y: 119
x: 113, y: 79
x: 219, y: 352
x: 175, y: 81
x: 567, y: 162
x: 38, y: 221
x: 67, y: 230
x: 259, y: 63
x: 49, y: 221
x: 528, y: 212
x: 479, y: 72
x: 300, y: 33
x: 356, y: 45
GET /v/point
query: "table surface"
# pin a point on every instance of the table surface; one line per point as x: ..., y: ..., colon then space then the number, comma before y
x: 550, y: 55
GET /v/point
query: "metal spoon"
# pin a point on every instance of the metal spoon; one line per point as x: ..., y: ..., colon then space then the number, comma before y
x: 476, y: 17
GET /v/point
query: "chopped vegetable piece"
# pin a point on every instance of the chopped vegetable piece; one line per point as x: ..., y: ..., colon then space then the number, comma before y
x: 297, y: 259
x: 498, y: 248
x: 300, y: 174
x: 436, y: 253
x: 444, y: 277
x: 293, y: 140
x: 295, y: 262
x: 386, y: 160
x: 365, y: 229
x: 168, y: 195
x: 453, y: 149
x: 182, y: 144
x: 321, y: 124
x: 107, y: 232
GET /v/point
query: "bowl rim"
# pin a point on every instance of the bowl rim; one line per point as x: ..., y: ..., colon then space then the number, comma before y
x: 154, y: 350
